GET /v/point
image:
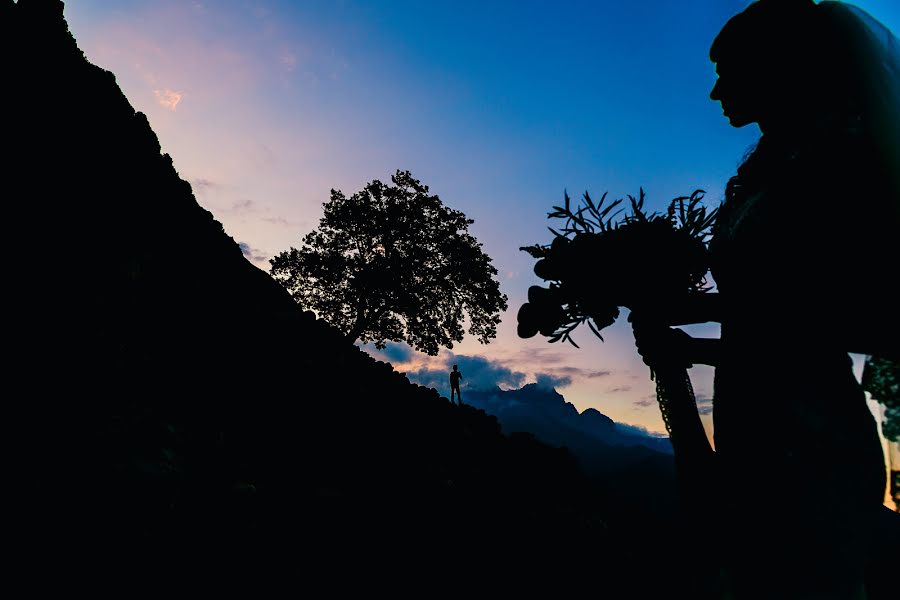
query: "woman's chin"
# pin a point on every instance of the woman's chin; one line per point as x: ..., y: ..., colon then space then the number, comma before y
x: 738, y: 120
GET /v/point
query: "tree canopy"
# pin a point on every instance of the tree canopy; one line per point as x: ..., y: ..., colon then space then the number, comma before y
x: 392, y: 263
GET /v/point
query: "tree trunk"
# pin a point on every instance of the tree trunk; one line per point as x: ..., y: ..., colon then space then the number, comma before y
x: 360, y: 325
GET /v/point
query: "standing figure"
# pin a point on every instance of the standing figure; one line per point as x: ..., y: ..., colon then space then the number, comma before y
x: 804, y: 255
x: 455, y: 376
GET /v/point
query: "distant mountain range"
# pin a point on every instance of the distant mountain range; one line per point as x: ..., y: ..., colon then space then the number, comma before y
x: 631, y: 470
x: 545, y: 412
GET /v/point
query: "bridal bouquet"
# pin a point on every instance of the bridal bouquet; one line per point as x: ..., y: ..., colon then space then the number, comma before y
x: 597, y: 263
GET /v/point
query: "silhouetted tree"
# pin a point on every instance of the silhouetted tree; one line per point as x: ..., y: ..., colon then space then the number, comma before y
x: 392, y: 263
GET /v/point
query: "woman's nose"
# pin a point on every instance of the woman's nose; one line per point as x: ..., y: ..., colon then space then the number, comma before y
x: 714, y: 92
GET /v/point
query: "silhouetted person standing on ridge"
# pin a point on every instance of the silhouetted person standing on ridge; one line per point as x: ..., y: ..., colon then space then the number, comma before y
x: 455, y: 376
x: 804, y: 255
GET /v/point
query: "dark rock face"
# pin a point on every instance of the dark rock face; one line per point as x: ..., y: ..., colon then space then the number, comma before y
x: 174, y: 399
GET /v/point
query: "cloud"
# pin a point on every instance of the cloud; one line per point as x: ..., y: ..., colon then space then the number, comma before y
x: 564, y: 376
x: 279, y: 221
x: 392, y: 352
x: 168, y: 98
x: 704, y: 405
x: 242, y: 206
x: 248, y: 208
x: 638, y: 430
x: 252, y: 254
x: 482, y: 373
x: 544, y: 356
x: 546, y: 380
x: 593, y: 374
x: 203, y: 185
x: 645, y: 402
x: 398, y: 352
x: 478, y: 373
x: 548, y: 361
x: 620, y: 389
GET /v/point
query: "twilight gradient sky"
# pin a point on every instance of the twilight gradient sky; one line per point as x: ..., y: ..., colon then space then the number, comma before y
x: 498, y: 106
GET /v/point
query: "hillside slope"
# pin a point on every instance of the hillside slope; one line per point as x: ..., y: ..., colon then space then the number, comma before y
x: 175, y: 400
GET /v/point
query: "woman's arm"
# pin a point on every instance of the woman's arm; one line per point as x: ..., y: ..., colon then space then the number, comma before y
x: 705, y: 351
x: 665, y: 347
x: 700, y: 308
x: 688, y: 310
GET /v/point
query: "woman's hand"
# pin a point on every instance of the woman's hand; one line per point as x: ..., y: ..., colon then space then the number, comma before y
x: 663, y: 347
x: 666, y: 347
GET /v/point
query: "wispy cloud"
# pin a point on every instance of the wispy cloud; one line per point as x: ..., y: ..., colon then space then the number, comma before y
x: 203, y: 185
x: 282, y: 222
x: 253, y: 255
x: 645, y: 402
x: 242, y: 206
x: 392, y: 352
x: 549, y: 361
x: 704, y: 405
x: 567, y: 375
x: 246, y: 208
x: 543, y: 356
x: 167, y: 98
x: 546, y: 380
x: 619, y: 389
x: 593, y: 374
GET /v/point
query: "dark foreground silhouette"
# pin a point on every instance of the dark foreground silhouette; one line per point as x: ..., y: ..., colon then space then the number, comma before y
x: 797, y: 455
x: 173, y: 408
x: 794, y: 439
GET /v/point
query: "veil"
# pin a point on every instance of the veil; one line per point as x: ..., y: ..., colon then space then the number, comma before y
x: 872, y: 55
x: 866, y: 61
x: 875, y: 57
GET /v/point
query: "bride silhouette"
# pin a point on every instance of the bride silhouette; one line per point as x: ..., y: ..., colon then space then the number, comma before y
x: 804, y: 255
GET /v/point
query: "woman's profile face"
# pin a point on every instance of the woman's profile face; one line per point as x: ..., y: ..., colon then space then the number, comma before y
x: 738, y: 93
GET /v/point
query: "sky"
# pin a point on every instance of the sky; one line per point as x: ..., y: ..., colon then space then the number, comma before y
x: 499, y: 107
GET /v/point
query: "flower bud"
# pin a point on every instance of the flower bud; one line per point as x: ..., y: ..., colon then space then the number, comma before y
x: 547, y: 268
x: 528, y: 321
x: 541, y: 295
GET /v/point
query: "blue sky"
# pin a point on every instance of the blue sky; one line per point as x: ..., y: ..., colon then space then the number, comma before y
x: 497, y: 106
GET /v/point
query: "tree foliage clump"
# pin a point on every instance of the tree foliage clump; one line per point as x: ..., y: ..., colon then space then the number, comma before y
x: 881, y: 378
x: 392, y: 263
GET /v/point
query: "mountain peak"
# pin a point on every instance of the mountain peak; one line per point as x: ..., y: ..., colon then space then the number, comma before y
x: 545, y: 412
